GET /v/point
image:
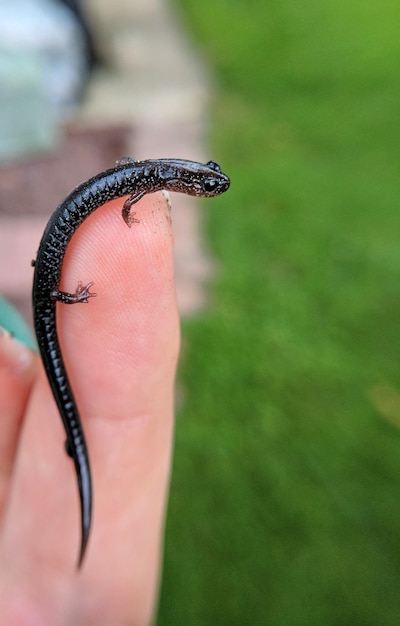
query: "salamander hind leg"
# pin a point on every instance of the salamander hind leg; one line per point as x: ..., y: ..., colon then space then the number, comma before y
x: 82, y: 294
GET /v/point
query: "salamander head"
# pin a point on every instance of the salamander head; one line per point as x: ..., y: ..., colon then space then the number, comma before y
x: 211, y: 180
x: 196, y: 179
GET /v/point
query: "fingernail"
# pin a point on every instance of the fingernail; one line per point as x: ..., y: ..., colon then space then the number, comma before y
x: 14, y: 324
x: 15, y: 357
x: 167, y: 196
x: 16, y: 340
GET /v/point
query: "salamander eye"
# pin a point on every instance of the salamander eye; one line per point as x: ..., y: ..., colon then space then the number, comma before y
x: 210, y: 184
x: 213, y: 166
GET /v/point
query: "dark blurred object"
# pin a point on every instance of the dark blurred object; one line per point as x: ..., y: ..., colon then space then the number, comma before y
x: 92, y: 54
x: 50, y: 33
x: 46, y: 55
x: 37, y: 186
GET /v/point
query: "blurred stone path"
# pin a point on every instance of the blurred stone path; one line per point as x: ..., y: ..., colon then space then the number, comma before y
x: 154, y: 83
x: 159, y: 86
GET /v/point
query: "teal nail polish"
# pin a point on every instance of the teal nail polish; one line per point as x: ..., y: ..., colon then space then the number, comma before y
x: 13, y: 322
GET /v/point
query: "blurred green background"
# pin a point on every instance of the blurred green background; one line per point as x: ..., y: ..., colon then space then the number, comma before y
x: 285, y: 506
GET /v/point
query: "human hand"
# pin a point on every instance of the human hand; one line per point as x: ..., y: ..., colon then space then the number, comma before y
x: 120, y: 351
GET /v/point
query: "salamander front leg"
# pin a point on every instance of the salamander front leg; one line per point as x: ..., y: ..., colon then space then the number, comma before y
x: 82, y: 294
x: 128, y: 217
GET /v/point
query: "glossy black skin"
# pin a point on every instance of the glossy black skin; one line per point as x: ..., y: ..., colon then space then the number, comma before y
x: 135, y: 178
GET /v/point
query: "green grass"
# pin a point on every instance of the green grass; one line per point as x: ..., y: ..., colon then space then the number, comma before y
x: 285, y: 500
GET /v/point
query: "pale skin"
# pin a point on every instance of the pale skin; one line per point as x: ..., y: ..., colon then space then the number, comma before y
x: 120, y: 350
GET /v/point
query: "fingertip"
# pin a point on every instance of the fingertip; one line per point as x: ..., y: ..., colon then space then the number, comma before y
x: 17, y: 360
x: 18, y: 368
